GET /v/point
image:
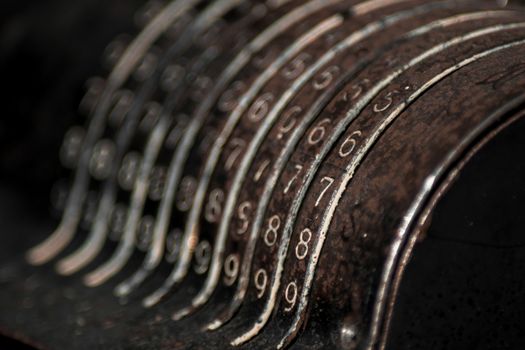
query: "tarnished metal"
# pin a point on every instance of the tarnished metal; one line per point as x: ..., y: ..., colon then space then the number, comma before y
x: 257, y: 174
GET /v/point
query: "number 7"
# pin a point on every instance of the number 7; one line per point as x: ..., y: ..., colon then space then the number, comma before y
x: 330, y: 182
x: 298, y: 168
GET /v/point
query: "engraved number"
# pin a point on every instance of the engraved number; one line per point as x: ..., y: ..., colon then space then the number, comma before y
x: 118, y: 222
x: 173, y: 245
x: 202, y: 257
x: 145, y: 235
x: 228, y: 100
x: 231, y: 269
x: 261, y: 61
x: 388, y: 102
x: 187, y: 190
x: 244, y: 208
x: 301, y: 250
x: 238, y: 146
x: 289, y: 121
x: 214, y: 206
x: 260, y: 107
x: 317, y: 134
x: 261, y: 170
x: 296, y: 66
x: 261, y: 280
x: 358, y: 89
x: 270, y: 236
x: 326, y: 77
x: 298, y: 169
x: 176, y: 132
x: 128, y: 171
x: 349, y: 144
x: 290, y: 294
x: 158, y: 181
x: 102, y: 159
x: 329, y: 182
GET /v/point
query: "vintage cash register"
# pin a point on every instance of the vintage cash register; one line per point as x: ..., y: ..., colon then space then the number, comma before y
x: 262, y: 174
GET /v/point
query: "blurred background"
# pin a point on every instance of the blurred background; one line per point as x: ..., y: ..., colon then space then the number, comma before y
x: 48, y: 50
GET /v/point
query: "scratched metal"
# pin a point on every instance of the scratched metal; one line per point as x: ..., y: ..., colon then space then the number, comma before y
x: 257, y: 174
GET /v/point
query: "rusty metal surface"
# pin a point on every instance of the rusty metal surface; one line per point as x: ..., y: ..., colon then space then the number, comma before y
x: 257, y: 173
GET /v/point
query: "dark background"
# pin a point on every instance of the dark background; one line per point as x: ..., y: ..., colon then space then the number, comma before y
x: 48, y: 49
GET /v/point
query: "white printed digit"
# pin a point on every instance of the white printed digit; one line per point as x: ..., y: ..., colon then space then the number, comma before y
x: 102, y: 159
x: 128, y: 171
x: 325, y: 78
x: 228, y: 100
x: 202, y: 257
x: 185, y: 196
x: 260, y: 107
x: 214, y: 206
x: 298, y: 169
x: 301, y: 250
x: 290, y: 294
x: 349, y: 144
x: 238, y: 146
x: 261, y: 170
x: 296, y: 66
x: 270, y: 236
x: 145, y: 234
x: 157, y: 183
x: 317, y: 134
x: 329, y: 181
x: 261, y: 280
x: 388, y: 99
x: 244, y: 208
x: 173, y: 245
x: 289, y: 121
x: 231, y: 269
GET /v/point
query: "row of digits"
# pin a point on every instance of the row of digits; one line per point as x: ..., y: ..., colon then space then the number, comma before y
x: 219, y: 146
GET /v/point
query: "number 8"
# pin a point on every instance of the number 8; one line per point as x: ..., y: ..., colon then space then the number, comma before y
x: 301, y: 250
x: 270, y: 237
